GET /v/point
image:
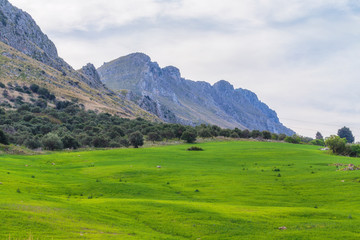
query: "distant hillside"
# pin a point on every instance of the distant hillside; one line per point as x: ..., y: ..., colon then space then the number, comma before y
x: 163, y: 92
x: 28, y: 56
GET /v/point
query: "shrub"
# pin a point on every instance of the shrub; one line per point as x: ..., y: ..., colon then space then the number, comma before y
x: 205, y: 133
x: 318, y: 142
x: 3, y: 138
x: 336, y: 144
x: 189, y: 136
x: 136, y: 139
x: 266, y: 134
x: 100, y: 141
x: 154, y: 136
x: 245, y: 133
x: 193, y: 148
x: 255, y: 133
x: 52, y: 141
x: 34, y: 88
x: 70, y: 142
x: 32, y: 143
x: 234, y: 135
x: 293, y: 139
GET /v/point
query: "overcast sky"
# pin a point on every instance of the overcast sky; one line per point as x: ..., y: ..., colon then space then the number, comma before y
x: 301, y: 57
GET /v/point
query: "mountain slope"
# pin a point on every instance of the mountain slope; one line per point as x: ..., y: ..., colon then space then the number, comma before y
x: 189, y: 101
x: 28, y: 56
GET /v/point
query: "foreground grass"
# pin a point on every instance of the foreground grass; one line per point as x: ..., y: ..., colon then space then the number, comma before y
x: 228, y: 191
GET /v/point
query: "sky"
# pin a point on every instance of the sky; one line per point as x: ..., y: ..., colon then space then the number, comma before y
x: 301, y: 57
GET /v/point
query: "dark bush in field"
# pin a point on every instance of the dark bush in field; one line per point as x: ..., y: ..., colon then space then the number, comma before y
x: 194, y: 148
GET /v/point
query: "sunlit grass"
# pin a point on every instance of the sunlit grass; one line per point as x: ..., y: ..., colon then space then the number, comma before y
x: 231, y: 190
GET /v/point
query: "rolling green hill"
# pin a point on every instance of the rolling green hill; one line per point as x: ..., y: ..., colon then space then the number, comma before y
x: 232, y: 190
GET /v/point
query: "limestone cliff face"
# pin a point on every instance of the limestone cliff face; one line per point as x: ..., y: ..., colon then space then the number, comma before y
x: 91, y: 76
x: 188, y: 101
x: 19, y: 30
x: 28, y: 56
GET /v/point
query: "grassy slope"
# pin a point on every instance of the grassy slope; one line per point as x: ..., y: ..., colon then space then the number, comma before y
x: 239, y: 197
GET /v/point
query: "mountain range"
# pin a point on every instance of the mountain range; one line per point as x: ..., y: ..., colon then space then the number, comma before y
x: 130, y: 86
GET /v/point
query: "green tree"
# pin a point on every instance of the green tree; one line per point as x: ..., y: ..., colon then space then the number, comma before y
x: 70, y: 142
x: 336, y: 144
x: 205, y: 133
x: 52, y: 141
x: 266, y: 134
x: 3, y: 138
x: 319, y: 136
x: 347, y: 134
x: 154, y: 136
x: 189, y: 136
x: 136, y: 139
x: 255, y: 134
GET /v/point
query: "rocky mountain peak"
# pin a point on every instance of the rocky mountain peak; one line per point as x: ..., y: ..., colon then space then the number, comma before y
x: 188, y: 101
x: 19, y: 30
x: 223, y: 86
x: 91, y: 74
x: 172, y: 71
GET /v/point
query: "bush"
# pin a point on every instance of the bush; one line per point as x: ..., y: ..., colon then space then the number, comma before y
x: 189, y: 136
x: 195, y: 149
x: 336, y: 144
x: 205, y: 133
x: 154, y: 136
x: 3, y: 138
x: 318, y: 142
x: 266, y: 134
x: 70, y: 142
x: 52, y: 141
x: 34, y: 88
x: 136, y: 139
x: 32, y: 143
x: 293, y: 139
x: 234, y: 135
x: 100, y: 141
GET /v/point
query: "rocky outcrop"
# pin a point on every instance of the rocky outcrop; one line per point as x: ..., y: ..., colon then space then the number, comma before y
x: 19, y: 30
x: 91, y: 76
x: 191, y: 102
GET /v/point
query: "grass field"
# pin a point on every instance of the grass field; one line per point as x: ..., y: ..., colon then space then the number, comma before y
x: 232, y: 190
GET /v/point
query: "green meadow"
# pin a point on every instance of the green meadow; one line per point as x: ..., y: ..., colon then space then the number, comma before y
x: 231, y: 190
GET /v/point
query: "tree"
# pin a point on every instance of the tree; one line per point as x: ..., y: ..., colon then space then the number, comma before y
x: 266, y: 134
x: 255, y: 133
x: 136, y: 139
x: 347, y: 134
x: 245, y: 133
x: 319, y: 136
x: 336, y: 144
x: 70, y: 142
x: 52, y: 141
x: 34, y: 88
x: 205, y: 133
x: 3, y: 138
x: 154, y: 136
x: 189, y: 136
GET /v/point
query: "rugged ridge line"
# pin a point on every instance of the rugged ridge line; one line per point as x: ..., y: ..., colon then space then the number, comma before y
x: 190, y: 102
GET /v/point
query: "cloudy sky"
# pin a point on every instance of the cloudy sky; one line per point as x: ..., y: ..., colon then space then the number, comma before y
x: 301, y: 57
